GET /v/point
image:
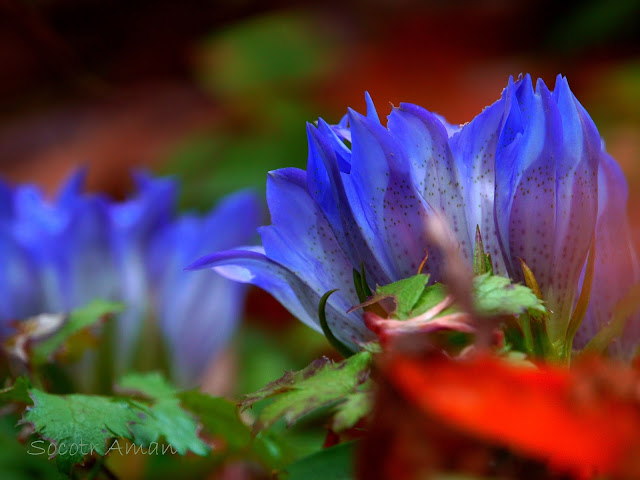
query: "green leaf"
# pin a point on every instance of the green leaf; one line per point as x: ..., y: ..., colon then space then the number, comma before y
x: 335, y: 463
x: 219, y: 418
x: 355, y: 407
x: 166, y: 417
x: 495, y: 295
x: 151, y: 385
x: 430, y: 297
x: 80, y: 424
x: 321, y: 384
x: 405, y: 293
x: 399, y: 298
x: 79, y: 320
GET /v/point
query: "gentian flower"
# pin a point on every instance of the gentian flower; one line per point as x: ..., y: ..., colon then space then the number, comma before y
x: 529, y: 171
x: 61, y: 254
x: 198, y: 311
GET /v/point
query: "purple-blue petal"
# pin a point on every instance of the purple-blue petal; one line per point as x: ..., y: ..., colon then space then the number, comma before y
x: 335, y: 192
x: 474, y: 148
x: 390, y: 202
x: 87, y: 266
x: 576, y: 193
x: 254, y: 267
x: 301, y: 239
x: 434, y: 170
x: 21, y: 294
x: 526, y: 180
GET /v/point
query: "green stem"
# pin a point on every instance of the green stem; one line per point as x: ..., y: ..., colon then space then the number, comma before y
x: 528, y: 335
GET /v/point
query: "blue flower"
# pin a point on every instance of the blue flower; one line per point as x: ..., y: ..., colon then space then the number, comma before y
x: 65, y: 242
x: 198, y: 311
x: 525, y: 171
x: 61, y: 254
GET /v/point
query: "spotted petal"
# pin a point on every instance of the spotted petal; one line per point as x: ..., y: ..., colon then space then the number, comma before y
x: 474, y: 148
x: 333, y: 188
x: 390, y: 201
x: 545, y: 192
x: 301, y: 240
x: 435, y: 172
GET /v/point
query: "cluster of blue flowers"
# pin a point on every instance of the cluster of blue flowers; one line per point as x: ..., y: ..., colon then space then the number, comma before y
x: 530, y: 171
x: 61, y: 254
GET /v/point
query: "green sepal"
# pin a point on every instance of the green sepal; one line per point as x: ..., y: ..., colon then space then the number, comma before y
x: 345, y: 351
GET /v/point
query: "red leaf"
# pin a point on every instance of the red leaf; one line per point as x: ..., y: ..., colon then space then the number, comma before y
x: 585, y: 421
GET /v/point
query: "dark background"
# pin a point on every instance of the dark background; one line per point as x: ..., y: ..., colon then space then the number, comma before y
x: 218, y: 92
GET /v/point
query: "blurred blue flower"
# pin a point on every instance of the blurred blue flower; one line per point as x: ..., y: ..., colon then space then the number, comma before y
x: 61, y: 254
x: 197, y: 311
x: 525, y: 170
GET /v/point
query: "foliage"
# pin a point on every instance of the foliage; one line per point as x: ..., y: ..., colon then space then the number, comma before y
x: 343, y: 385
x: 335, y: 462
x: 79, y: 425
x: 70, y: 335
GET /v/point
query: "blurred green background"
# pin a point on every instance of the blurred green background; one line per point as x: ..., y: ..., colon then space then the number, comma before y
x: 218, y: 93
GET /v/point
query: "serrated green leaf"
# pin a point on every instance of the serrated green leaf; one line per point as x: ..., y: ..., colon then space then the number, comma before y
x: 321, y: 384
x: 335, y: 463
x: 285, y: 383
x: 87, y: 422
x: 84, y: 422
x: 167, y: 418
x: 42, y: 351
x: 496, y: 295
x: 493, y: 295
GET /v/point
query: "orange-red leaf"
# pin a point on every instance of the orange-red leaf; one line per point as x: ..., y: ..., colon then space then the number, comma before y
x: 585, y: 421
